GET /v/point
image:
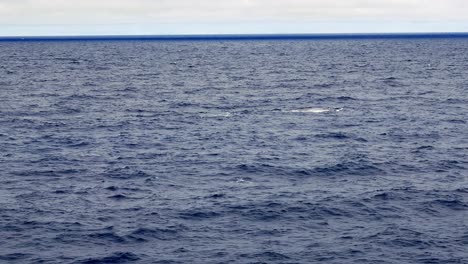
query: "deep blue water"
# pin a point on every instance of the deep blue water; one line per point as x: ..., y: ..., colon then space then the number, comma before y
x: 241, y: 37
x: 271, y: 151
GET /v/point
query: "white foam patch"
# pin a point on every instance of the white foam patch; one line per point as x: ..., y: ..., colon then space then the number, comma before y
x: 226, y: 114
x: 316, y: 110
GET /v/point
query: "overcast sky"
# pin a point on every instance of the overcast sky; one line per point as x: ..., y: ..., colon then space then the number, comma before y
x: 90, y: 17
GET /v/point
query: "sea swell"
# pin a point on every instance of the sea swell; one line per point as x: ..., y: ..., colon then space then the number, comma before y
x: 336, y: 151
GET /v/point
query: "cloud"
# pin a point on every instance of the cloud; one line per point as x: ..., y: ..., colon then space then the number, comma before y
x: 169, y: 11
x: 43, y: 17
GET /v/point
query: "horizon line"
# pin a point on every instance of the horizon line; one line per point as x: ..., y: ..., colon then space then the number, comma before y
x: 260, y: 36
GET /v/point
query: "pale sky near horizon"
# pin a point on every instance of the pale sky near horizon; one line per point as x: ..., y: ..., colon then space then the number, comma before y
x: 127, y: 17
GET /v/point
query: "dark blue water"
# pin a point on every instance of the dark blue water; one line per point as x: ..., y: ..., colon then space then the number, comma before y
x: 273, y: 151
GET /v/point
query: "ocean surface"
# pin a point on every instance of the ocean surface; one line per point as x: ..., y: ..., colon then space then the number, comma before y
x: 248, y: 151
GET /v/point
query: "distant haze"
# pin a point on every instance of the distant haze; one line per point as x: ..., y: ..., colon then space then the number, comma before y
x: 86, y: 17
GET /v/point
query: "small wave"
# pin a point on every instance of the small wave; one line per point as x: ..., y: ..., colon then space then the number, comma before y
x: 108, y: 237
x: 456, y: 121
x: 333, y: 135
x: 50, y: 173
x: 323, y: 85
x: 118, y: 197
x: 125, y: 173
x: 79, y: 144
x: 348, y: 168
x: 337, y: 98
x: 144, y: 234
x: 117, y: 257
x: 452, y: 204
x: 406, y: 243
x: 217, y: 196
x: 81, y: 97
x: 264, y: 169
x: 426, y: 147
x: 112, y: 188
x: 361, y: 168
x: 387, y: 196
x: 266, y: 256
x: 462, y: 190
x: 14, y: 257
x: 452, y: 164
x: 199, y: 215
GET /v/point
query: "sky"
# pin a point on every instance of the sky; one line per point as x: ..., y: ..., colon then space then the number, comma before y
x: 171, y: 17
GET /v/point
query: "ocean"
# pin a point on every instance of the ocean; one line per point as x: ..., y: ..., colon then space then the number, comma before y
x: 351, y: 150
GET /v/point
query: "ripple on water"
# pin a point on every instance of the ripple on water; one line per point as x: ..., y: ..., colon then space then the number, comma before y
x: 117, y: 257
x: 234, y: 152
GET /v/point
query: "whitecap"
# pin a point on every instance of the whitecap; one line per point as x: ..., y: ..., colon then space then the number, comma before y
x: 316, y: 110
x: 214, y: 115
